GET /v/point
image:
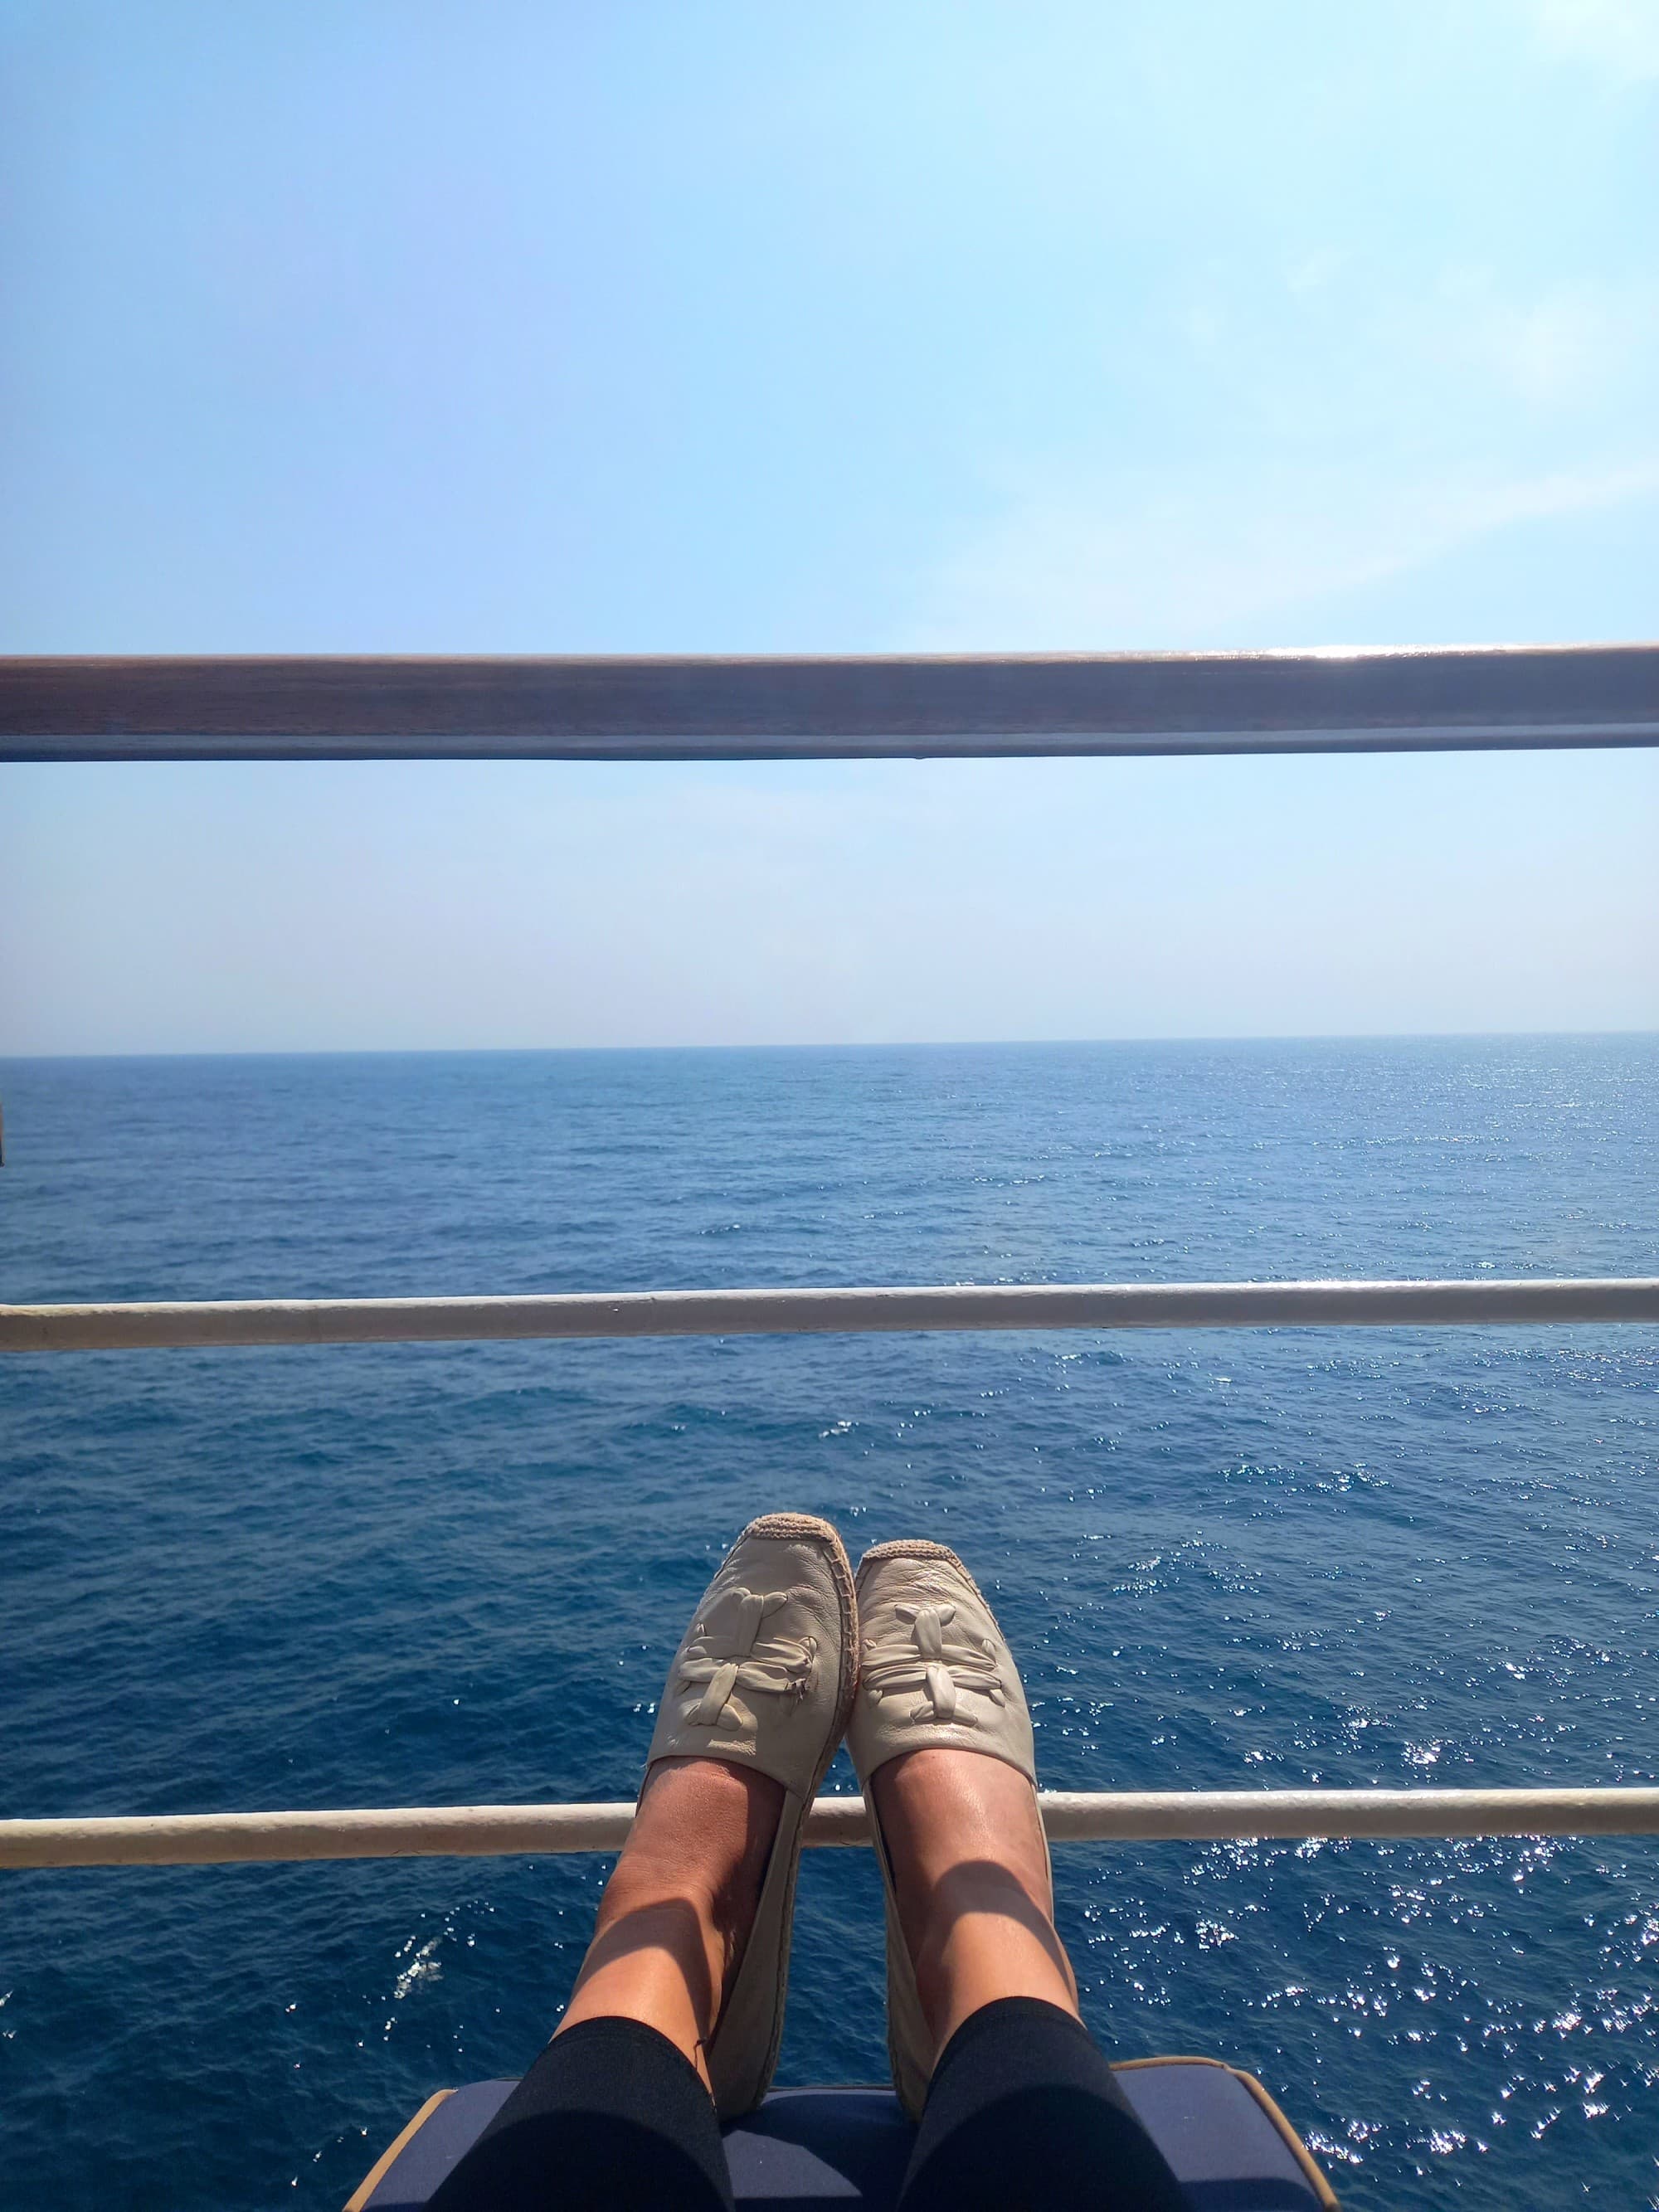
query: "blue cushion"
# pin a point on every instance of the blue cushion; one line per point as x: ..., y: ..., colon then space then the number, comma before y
x: 804, y: 2148
x: 845, y: 2150
x: 1229, y: 2151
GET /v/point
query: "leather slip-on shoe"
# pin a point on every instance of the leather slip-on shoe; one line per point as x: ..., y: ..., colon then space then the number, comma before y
x: 764, y: 1679
x: 934, y: 1674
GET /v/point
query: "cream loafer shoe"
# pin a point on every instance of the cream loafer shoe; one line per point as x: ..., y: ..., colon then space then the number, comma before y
x: 764, y: 1679
x: 934, y: 1674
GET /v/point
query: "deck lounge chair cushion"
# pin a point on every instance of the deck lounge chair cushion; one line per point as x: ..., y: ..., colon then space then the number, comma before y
x: 845, y: 2150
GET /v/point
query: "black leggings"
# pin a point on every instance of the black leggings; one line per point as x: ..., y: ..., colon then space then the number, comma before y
x: 1022, y: 2111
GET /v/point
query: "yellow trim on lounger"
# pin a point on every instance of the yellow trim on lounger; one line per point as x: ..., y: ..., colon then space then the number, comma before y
x: 382, y: 2166
x: 1317, y: 2180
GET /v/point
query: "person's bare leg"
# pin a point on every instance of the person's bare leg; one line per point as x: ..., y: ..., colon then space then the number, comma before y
x: 680, y: 1902
x: 965, y: 1840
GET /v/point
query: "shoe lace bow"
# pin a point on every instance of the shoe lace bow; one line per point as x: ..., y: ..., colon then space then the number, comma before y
x: 944, y: 1668
x: 727, y: 1653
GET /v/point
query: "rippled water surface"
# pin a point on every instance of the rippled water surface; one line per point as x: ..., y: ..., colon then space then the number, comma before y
x: 416, y: 1574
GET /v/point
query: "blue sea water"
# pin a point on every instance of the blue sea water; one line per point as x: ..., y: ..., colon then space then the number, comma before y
x: 420, y: 1574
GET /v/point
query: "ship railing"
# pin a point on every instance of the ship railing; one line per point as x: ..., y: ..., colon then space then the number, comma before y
x: 845, y: 706
x: 574, y: 1315
x: 1070, y: 1817
x: 662, y: 707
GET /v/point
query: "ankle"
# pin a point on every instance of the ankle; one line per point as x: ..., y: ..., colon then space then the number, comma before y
x: 677, y: 1911
x: 983, y: 1936
x: 702, y: 1828
x: 970, y: 1875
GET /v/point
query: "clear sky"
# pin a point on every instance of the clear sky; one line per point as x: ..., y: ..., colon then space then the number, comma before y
x: 695, y: 325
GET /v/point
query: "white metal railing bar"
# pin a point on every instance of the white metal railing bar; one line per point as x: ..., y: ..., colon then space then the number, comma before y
x: 1536, y: 1300
x: 902, y: 705
x: 495, y: 1830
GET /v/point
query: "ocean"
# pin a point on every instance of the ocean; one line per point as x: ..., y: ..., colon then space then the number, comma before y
x: 409, y: 1575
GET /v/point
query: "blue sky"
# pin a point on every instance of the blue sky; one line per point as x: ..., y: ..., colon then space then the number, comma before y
x: 706, y: 327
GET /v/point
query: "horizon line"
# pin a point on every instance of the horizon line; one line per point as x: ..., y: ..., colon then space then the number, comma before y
x: 889, y: 1044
